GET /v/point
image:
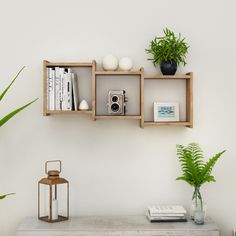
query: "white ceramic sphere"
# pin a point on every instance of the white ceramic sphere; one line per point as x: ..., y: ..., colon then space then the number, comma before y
x: 125, y: 63
x: 110, y: 62
x: 83, y: 105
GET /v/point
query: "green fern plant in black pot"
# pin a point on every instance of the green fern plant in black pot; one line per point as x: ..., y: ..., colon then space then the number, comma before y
x: 196, y: 172
x: 168, y: 51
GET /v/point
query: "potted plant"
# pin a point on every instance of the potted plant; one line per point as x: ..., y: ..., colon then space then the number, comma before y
x: 168, y: 51
x: 11, y: 114
x: 196, y: 172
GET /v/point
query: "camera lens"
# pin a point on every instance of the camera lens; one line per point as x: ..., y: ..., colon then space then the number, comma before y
x: 115, y: 107
x: 114, y: 99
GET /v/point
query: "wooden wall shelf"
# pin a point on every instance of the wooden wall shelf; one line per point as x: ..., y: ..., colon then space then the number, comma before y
x: 139, y: 72
x: 47, y: 64
x: 164, y: 77
x: 129, y: 117
x: 69, y: 112
x: 133, y: 74
x: 189, y: 100
x: 169, y: 123
x: 68, y: 64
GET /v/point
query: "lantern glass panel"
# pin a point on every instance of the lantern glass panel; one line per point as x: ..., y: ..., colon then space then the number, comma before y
x: 44, y: 200
x: 58, y: 195
x: 62, y: 199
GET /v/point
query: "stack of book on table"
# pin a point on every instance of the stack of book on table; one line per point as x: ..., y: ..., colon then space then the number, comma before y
x: 166, y: 213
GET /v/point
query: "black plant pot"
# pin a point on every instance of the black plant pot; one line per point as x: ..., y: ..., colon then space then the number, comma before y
x: 168, y: 67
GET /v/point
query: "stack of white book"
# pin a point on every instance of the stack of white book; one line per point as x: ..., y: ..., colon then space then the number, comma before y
x: 62, y: 89
x: 166, y: 213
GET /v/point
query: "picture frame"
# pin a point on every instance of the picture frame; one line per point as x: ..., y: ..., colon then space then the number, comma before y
x: 166, y: 111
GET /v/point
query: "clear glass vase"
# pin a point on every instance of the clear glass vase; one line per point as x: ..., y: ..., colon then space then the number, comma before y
x: 199, y: 217
x: 198, y: 207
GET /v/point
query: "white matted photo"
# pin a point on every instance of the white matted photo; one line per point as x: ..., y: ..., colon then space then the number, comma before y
x: 164, y: 111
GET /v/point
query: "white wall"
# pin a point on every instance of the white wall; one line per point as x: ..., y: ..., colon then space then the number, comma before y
x: 143, y: 169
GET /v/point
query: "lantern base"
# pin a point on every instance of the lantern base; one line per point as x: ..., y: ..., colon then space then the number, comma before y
x: 60, y: 218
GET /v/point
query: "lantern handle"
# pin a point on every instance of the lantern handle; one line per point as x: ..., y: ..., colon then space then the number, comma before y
x: 46, y: 165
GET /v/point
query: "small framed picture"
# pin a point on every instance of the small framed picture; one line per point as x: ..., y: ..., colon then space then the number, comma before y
x: 164, y: 111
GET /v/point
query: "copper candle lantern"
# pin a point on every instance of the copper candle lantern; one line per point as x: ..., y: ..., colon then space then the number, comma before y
x: 53, y: 196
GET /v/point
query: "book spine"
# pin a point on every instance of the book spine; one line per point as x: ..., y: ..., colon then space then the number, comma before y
x: 168, y: 220
x: 57, y: 88
x: 52, y: 94
x: 64, y: 92
x: 74, y: 91
x: 69, y: 92
x: 166, y: 210
x: 67, y: 103
x: 166, y: 215
x: 61, y: 87
x: 48, y: 88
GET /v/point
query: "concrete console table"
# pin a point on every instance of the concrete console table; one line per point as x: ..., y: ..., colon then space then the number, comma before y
x: 114, y: 226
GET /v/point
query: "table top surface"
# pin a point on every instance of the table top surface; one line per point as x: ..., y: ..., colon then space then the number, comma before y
x: 111, y: 223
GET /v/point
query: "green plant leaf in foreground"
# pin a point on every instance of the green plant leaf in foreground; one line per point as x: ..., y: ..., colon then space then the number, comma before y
x: 3, y: 196
x: 196, y: 172
x: 5, y: 91
x: 13, y: 113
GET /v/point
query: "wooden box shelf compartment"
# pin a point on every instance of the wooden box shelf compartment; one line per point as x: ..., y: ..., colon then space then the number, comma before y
x: 189, y: 100
x: 92, y: 94
x: 133, y: 74
x: 47, y: 64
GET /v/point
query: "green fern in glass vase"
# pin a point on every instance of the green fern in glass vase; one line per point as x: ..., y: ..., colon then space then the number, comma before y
x: 196, y: 172
x: 7, y: 117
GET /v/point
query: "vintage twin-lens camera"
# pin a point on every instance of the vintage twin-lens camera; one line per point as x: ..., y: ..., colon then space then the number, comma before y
x: 117, y: 102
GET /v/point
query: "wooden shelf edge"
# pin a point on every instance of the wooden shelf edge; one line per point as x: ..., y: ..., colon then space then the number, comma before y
x: 67, y: 112
x: 139, y: 72
x: 168, y: 123
x: 128, y: 117
x: 160, y: 77
x: 69, y: 64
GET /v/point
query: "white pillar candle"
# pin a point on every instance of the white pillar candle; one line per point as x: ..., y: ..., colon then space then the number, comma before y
x: 54, y: 209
